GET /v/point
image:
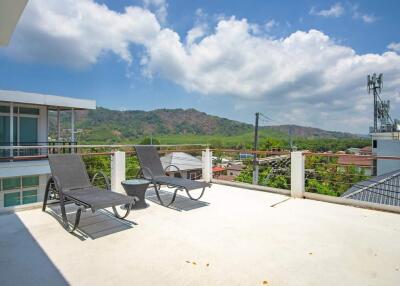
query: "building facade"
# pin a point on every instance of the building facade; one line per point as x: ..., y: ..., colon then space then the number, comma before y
x: 24, y: 125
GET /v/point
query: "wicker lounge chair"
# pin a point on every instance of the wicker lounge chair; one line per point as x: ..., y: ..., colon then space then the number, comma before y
x: 152, y: 170
x: 72, y: 185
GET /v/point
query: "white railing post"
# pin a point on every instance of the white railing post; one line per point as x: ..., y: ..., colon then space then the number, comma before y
x: 207, y: 165
x: 117, y: 171
x: 297, y: 174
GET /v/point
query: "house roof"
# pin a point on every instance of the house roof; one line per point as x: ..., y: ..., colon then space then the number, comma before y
x: 218, y: 169
x: 382, y: 189
x: 356, y: 161
x: 52, y: 101
x: 182, y: 160
x: 10, y: 12
x: 235, y: 167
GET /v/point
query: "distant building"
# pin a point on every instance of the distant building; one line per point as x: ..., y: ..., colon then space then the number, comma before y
x: 190, y: 166
x: 353, y: 150
x: 386, y: 144
x: 383, y: 189
x: 234, y: 169
x: 218, y: 171
x: 359, y: 162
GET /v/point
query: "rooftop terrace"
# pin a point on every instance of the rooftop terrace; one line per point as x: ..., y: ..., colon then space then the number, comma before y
x: 234, y: 237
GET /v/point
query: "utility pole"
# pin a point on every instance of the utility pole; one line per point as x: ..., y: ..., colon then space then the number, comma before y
x: 255, y: 164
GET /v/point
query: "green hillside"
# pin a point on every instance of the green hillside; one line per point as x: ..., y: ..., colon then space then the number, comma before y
x: 189, y: 126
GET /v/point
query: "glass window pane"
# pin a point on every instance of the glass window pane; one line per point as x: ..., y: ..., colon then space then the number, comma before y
x: 29, y: 197
x: 26, y: 110
x: 4, y: 135
x: 11, y: 183
x: 31, y: 181
x: 12, y: 199
x: 4, y: 109
x: 28, y: 130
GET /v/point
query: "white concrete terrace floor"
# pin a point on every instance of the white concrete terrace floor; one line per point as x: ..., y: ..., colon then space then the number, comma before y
x: 238, y: 239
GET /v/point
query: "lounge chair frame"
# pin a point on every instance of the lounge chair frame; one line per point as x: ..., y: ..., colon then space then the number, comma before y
x: 157, y: 182
x: 58, y: 196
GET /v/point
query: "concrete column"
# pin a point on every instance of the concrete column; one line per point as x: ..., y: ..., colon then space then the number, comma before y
x: 297, y: 174
x: 207, y: 165
x: 117, y: 171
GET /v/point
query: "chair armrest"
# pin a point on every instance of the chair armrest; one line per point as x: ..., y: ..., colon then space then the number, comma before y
x: 176, y: 167
x: 105, y: 177
x: 147, y: 169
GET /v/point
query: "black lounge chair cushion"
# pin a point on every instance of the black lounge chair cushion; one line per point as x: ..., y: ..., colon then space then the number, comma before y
x: 180, y: 182
x: 97, y: 198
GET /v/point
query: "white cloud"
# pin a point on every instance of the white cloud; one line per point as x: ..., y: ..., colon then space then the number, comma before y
x: 366, y: 18
x: 335, y: 11
x: 271, y: 24
x: 77, y: 33
x: 394, y: 47
x: 306, y: 77
x: 160, y: 6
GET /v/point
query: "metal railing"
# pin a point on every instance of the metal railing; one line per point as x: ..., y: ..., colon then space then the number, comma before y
x: 30, y: 150
x: 354, y: 177
x: 238, y: 165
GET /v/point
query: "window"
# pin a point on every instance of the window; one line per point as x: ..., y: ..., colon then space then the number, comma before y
x: 19, y: 190
x: 29, y: 197
x: 31, y: 181
x: 374, y: 144
x: 12, y: 199
x: 26, y: 110
x: 11, y: 183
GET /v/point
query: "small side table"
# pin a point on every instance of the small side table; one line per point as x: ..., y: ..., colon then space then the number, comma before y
x: 136, y: 187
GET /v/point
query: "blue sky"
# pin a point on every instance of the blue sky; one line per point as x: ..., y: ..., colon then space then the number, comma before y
x: 301, y: 62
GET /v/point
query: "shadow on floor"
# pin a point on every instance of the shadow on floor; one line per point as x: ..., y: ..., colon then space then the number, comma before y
x: 93, y: 225
x: 22, y: 260
x: 182, y: 203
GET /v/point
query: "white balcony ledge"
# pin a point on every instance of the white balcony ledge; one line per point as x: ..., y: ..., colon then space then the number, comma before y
x: 234, y: 238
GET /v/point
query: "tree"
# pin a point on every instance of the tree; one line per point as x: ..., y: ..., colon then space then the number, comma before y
x: 149, y: 141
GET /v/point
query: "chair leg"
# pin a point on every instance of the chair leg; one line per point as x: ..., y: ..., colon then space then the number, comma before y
x: 65, y: 219
x: 198, y: 198
x: 125, y: 215
x: 46, y: 194
x: 159, y: 197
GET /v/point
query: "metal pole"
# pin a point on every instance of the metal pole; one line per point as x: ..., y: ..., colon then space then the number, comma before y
x: 375, y: 109
x: 58, y: 125
x: 11, y: 129
x: 255, y: 165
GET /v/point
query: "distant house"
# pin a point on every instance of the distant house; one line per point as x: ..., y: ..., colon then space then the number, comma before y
x: 234, y: 169
x: 190, y: 166
x: 382, y: 189
x: 353, y: 150
x: 366, y: 150
x: 359, y: 162
x: 218, y: 171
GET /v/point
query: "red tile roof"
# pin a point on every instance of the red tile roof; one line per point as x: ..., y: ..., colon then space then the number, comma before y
x: 218, y: 169
x: 356, y: 161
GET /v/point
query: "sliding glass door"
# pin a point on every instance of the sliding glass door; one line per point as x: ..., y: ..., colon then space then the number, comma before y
x: 25, y: 129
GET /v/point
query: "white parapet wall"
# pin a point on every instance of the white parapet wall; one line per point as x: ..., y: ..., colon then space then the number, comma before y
x: 117, y: 171
x: 297, y: 177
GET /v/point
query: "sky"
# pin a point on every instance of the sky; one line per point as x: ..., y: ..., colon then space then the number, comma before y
x: 296, y: 62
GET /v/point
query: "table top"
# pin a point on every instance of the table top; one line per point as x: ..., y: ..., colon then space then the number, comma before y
x: 135, y: 182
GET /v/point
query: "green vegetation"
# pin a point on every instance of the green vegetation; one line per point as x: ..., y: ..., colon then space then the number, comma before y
x: 325, y: 176
x: 266, y: 177
x: 189, y: 126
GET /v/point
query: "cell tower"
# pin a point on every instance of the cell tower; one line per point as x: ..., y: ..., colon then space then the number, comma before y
x: 382, y: 120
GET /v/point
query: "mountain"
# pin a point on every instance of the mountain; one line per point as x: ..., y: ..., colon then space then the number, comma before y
x: 309, y: 132
x: 117, y: 126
